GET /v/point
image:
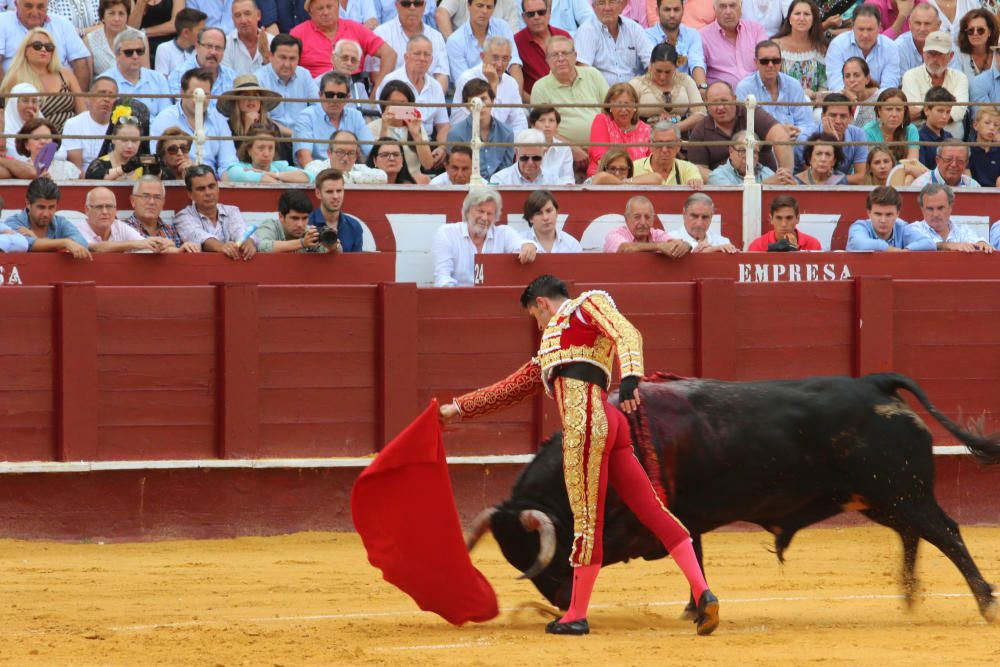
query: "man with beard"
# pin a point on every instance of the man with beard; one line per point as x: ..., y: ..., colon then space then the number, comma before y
x: 208, y: 52
x: 46, y: 231
x: 639, y: 235
x: 933, y: 72
x: 457, y: 244
x: 685, y: 40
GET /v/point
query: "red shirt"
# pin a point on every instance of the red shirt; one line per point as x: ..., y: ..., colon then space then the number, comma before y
x: 534, y: 66
x: 806, y: 242
x: 317, y: 48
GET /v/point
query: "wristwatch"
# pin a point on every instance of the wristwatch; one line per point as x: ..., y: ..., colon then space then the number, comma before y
x: 703, y: 86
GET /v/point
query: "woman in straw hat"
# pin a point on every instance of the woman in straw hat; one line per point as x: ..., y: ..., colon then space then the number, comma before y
x: 251, y: 109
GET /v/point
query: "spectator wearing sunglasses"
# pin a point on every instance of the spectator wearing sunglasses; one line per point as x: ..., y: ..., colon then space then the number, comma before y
x: 770, y: 84
x: 37, y: 62
x: 132, y: 78
x: 530, y: 41
x: 113, y: 16
x: 30, y: 14
x: 172, y: 153
x: 527, y: 167
x: 320, y: 121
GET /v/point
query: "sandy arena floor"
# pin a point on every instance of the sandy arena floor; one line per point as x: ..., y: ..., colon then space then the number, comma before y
x: 312, y: 599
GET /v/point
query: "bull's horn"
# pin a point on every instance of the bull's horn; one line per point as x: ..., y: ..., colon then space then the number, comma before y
x: 479, y: 527
x: 539, y: 522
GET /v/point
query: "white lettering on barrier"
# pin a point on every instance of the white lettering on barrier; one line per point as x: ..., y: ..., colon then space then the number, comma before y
x: 12, y: 277
x: 792, y: 273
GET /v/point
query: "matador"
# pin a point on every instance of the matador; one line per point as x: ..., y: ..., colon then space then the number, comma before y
x: 580, y: 339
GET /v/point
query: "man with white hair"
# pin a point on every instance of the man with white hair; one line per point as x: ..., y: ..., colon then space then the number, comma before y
x: 952, y: 159
x: 934, y: 71
x: 527, y: 167
x: 104, y: 233
x: 346, y: 58
x: 457, y: 244
x: 496, y: 57
x: 639, y: 235
x: 697, y: 231
x: 616, y: 45
x: 729, y: 42
x: 415, y: 73
x: 936, y: 201
x: 132, y: 78
x: 408, y: 23
x: 924, y: 20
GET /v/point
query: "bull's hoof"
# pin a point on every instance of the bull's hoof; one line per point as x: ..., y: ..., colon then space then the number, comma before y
x: 991, y: 611
x: 707, y: 619
x: 580, y: 627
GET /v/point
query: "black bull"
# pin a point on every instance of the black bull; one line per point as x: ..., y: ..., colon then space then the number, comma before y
x: 780, y: 454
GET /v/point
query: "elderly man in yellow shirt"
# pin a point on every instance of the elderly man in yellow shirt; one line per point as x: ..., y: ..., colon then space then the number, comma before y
x: 662, y: 167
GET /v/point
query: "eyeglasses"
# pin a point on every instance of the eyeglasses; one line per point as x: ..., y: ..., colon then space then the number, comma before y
x: 954, y: 159
x: 212, y: 47
x: 148, y: 196
x: 349, y: 59
x: 102, y: 208
x: 976, y: 30
x: 343, y: 152
x: 561, y: 55
x: 533, y: 158
x: 406, y: 4
x: 617, y: 170
x: 43, y: 46
x: 742, y: 150
x: 131, y: 53
x: 176, y: 148
x: 330, y: 95
x: 389, y: 155
x: 769, y: 61
x: 537, y: 12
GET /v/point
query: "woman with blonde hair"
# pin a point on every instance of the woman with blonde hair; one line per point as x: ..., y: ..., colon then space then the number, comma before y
x: 37, y: 62
x: 619, y: 124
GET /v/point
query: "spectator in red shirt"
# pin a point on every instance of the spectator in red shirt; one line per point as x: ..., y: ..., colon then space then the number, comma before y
x: 531, y: 40
x: 784, y: 235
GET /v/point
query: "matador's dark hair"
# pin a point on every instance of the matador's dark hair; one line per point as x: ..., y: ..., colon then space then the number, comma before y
x: 547, y: 286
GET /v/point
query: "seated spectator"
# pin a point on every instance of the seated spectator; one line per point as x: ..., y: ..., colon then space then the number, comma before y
x: 123, y: 162
x: 769, y: 83
x: 696, y: 232
x: 496, y: 58
x: 892, y: 126
x: 457, y: 167
x: 451, y: 15
x: 528, y: 160
x: 105, y: 233
x: 332, y: 114
x: 882, y: 168
x: 404, y: 124
x: 456, y: 244
x: 82, y: 14
x: 92, y: 123
x: 803, y: 46
x: 951, y: 161
x: 415, y: 73
x: 257, y: 163
x: 37, y: 62
x: 42, y: 132
x: 785, y: 235
x: 985, y: 88
x: 291, y: 232
x: 689, y: 53
x: 615, y: 163
x: 639, y: 235
x: 287, y: 78
x: 663, y: 86
x: 148, y: 197
x: 387, y: 156
x: 558, y: 163
x: 618, y: 125
x: 408, y: 23
x: 725, y: 120
x: 343, y: 154
x: 864, y: 41
x: 491, y: 158
x: 325, y: 28
x: 184, y: 26
x: 860, y: 89
x: 734, y: 171
x: 207, y: 56
x: 347, y: 54
x: 27, y: 16
x: 330, y: 214
x: 212, y: 226
x: 984, y: 161
x: 570, y: 84
x: 11, y: 241
x: 822, y: 155
x: 464, y: 44
x: 133, y: 77
x: 251, y: 110
x: 616, y: 45
x: 923, y: 21
x: 172, y: 153
x: 46, y: 231
x: 836, y: 121
x: 114, y: 19
x: 662, y: 167
x: 937, y: 115
x: 979, y: 33
x: 934, y: 72
x: 936, y: 201
x: 19, y: 110
x: 883, y: 231
x: 217, y: 154
x: 539, y: 18
x: 728, y: 42
x: 248, y: 46
x: 541, y: 212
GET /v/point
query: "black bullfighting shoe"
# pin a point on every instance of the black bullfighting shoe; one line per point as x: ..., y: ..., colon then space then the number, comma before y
x: 707, y: 619
x: 580, y: 627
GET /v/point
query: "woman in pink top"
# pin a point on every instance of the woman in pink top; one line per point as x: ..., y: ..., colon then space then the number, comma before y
x: 698, y: 13
x: 619, y: 124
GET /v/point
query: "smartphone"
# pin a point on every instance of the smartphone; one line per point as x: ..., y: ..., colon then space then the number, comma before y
x: 403, y: 113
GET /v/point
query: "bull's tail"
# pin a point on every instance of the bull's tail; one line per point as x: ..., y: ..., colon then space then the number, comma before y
x: 985, y: 447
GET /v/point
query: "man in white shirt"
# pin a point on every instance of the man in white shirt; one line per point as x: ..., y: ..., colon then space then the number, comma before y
x: 617, y: 46
x: 527, y: 167
x: 342, y: 155
x: 696, y: 232
x: 496, y: 58
x: 457, y: 167
x: 169, y: 55
x: 248, y: 46
x: 934, y: 71
x: 105, y: 233
x: 92, y: 123
x: 415, y: 72
x: 457, y: 244
x: 936, y: 201
x: 409, y: 23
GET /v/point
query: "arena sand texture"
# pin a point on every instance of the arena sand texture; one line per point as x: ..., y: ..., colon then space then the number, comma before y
x: 313, y: 599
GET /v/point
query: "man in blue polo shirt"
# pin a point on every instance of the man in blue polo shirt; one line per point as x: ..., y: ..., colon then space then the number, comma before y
x: 132, y: 78
x: 284, y: 76
x: 318, y: 122
x: 883, y: 231
x: 330, y: 192
x: 45, y: 231
x: 208, y: 52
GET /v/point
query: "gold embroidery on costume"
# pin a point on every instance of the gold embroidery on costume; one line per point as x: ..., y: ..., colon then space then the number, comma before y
x: 572, y: 397
x: 598, y: 438
x: 511, y: 390
x: 613, y: 324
